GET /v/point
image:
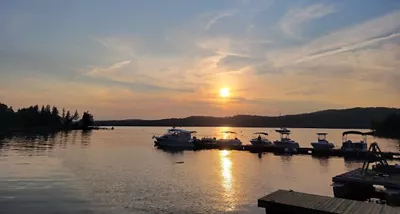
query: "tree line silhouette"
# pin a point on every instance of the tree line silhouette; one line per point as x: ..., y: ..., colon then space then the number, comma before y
x: 353, y: 118
x: 45, y: 117
x: 388, y: 127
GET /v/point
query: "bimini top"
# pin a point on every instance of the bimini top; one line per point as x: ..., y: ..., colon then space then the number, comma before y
x: 228, y: 132
x: 181, y: 130
x: 322, y: 133
x: 352, y: 132
x: 264, y: 133
x: 283, y: 131
x: 369, y: 133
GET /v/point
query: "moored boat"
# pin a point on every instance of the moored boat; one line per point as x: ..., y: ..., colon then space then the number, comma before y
x: 349, y: 145
x: 229, y: 138
x: 322, y: 143
x: 285, y: 141
x: 260, y: 139
x: 175, y: 138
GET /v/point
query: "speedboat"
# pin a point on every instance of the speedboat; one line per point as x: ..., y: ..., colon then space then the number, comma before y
x: 176, y: 138
x: 229, y: 138
x: 285, y: 141
x: 322, y: 143
x: 349, y: 145
x: 260, y: 139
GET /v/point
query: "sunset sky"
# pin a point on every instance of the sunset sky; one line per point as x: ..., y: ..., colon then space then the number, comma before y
x: 157, y: 58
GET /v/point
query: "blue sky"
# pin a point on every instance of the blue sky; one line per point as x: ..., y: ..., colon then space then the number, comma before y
x: 155, y: 58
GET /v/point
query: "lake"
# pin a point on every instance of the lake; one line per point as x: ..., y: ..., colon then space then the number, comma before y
x: 119, y: 171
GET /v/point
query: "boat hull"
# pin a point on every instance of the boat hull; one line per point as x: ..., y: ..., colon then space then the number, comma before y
x: 289, y: 145
x: 354, y: 146
x: 173, y: 143
x: 228, y: 142
x: 322, y: 146
x: 257, y: 142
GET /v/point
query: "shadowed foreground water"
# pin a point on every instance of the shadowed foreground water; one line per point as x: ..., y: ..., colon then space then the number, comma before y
x: 120, y: 171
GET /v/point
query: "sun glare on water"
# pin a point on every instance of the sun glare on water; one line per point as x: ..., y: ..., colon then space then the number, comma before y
x: 224, y: 92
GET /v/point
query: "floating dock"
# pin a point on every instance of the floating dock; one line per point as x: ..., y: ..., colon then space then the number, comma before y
x: 299, y: 151
x: 362, y: 186
x: 290, y: 202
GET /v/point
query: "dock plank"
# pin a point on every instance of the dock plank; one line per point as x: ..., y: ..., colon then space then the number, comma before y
x: 282, y: 201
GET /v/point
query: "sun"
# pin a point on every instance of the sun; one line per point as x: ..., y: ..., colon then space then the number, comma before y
x: 224, y: 92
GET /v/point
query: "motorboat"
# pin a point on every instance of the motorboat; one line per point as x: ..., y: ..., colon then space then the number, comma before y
x: 176, y: 138
x: 349, y: 145
x: 229, y: 138
x: 285, y: 141
x: 260, y: 139
x: 322, y: 143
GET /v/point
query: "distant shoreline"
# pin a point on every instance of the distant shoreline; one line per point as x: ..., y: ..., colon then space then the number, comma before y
x: 353, y: 118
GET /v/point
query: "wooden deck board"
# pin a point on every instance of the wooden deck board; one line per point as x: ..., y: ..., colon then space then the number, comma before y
x: 321, y: 204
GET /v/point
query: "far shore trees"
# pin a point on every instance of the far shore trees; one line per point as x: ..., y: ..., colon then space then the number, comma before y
x: 45, y: 117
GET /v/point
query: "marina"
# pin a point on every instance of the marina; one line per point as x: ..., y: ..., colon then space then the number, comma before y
x: 179, y: 139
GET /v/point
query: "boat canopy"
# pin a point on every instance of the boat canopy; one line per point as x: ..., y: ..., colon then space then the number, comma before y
x: 283, y: 131
x: 263, y: 133
x: 369, y: 133
x: 352, y: 132
x: 322, y: 133
x: 228, y: 132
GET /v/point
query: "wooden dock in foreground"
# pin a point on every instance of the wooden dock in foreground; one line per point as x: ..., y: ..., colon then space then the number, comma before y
x: 300, y: 151
x: 290, y: 202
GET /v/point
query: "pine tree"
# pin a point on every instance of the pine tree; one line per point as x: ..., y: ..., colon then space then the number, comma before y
x: 76, y: 115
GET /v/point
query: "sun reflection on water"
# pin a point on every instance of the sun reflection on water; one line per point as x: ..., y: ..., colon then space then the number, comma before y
x: 226, y: 175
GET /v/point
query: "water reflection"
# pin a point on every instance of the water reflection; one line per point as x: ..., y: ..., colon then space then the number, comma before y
x: 226, y: 175
x: 41, y: 143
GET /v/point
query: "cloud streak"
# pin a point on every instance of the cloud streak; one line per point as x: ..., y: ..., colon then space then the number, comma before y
x: 294, y: 19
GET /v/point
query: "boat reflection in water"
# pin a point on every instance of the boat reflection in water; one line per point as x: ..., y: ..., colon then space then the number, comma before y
x: 226, y: 176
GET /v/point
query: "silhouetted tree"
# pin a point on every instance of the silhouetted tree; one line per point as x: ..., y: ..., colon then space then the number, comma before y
x: 388, y: 127
x: 67, y: 119
x: 54, y: 112
x: 87, y: 120
x: 76, y: 115
x: 63, y: 114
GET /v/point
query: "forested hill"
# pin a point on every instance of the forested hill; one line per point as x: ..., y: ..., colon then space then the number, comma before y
x: 343, y: 118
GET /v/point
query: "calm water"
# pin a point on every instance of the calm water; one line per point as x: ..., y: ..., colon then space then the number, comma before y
x: 120, y: 171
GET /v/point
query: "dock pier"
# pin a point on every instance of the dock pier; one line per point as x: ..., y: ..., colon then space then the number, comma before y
x: 291, y: 202
x: 300, y: 151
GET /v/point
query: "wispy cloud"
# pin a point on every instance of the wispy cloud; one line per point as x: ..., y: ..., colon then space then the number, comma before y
x: 218, y: 17
x: 294, y: 19
x: 347, y: 48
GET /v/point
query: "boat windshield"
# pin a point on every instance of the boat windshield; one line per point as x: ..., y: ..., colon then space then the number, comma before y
x: 321, y: 136
x: 229, y: 135
x: 285, y: 135
x: 179, y: 132
x: 261, y: 136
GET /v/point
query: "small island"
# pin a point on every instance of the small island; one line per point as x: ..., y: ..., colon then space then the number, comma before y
x: 44, y: 119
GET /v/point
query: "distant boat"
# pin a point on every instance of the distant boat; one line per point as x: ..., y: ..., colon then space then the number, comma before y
x: 322, y: 143
x: 260, y: 139
x: 229, y: 138
x: 285, y: 141
x: 176, y: 138
x: 349, y: 145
